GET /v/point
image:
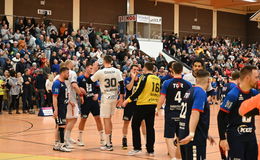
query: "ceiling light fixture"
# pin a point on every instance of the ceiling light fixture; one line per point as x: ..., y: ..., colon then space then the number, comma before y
x: 250, y: 0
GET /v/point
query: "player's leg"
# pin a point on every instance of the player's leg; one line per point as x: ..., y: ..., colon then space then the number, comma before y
x: 138, y: 116
x: 95, y: 110
x: 106, y: 113
x: 84, y: 110
x: 169, y: 132
x: 61, y: 122
x: 143, y: 128
x: 236, y: 148
x: 72, y: 115
x: 149, y: 121
x: 251, y: 150
x: 128, y: 113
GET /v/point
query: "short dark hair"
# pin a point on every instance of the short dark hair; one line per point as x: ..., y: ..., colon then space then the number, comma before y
x: 149, y: 66
x: 202, y: 74
x: 133, y: 65
x: 235, y: 75
x: 177, y: 67
x: 89, y: 63
x: 246, y: 71
x: 63, y: 69
x: 198, y: 61
x: 170, y: 65
x: 108, y: 59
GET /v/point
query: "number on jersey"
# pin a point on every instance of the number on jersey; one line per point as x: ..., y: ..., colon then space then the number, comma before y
x: 110, y: 82
x: 178, y: 97
x: 156, y: 87
x: 183, y: 110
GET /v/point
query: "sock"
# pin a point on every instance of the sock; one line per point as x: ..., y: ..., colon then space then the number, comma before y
x: 80, y: 135
x: 69, y: 133
x: 61, y: 135
x: 108, y: 139
x: 66, y: 136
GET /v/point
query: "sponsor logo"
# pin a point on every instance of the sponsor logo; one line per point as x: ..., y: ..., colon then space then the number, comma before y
x: 228, y: 104
x: 187, y: 95
x: 241, y: 98
x: 244, y: 129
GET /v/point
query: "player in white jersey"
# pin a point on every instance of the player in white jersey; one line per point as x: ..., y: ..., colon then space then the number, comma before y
x: 72, y: 110
x: 191, y: 77
x: 109, y: 79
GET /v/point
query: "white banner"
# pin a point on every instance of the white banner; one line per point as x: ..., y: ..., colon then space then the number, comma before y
x: 143, y: 18
x: 155, y: 20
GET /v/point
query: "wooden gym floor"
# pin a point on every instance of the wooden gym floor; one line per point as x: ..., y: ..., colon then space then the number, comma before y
x: 29, y: 137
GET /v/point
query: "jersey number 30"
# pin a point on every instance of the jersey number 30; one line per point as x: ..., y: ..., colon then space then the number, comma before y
x: 110, y: 82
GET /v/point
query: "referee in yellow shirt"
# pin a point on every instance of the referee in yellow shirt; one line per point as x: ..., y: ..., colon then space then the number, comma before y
x: 146, y: 95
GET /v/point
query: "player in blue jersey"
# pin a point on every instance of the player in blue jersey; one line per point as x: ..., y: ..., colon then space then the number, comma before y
x: 90, y: 103
x: 194, y: 119
x: 131, y: 83
x: 60, y: 102
x: 237, y: 133
x: 170, y: 74
x: 173, y: 91
x: 230, y: 85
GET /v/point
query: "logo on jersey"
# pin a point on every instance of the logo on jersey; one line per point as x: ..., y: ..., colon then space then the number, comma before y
x: 187, y: 95
x: 241, y: 98
x: 244, y: 129
x: 228, y: 104
x: 84, y: 80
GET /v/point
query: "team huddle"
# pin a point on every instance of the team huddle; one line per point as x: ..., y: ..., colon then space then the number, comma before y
x: 185, y: 99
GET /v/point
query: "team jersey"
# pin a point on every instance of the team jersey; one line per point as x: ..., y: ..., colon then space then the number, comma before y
x: 60, y: 89
x: 243, y: 127
x: 90, y: 87
x: 148, y: 90
x: 227, y: 88
x: 190, y: 77
x: 126, y: 82
x: 195, y: 99
x: 174, y: 90
x: 167, y: 77
x: 72, y: 79
x: 109, y: 79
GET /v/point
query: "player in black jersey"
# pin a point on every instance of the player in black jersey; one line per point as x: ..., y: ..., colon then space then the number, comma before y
x: 194, y: 119
x: 173, y: 91
x: 131, y: 83
x: 230, y: 85
x: 60, y: 102
x: 237, y: 133
x: 90, y: 104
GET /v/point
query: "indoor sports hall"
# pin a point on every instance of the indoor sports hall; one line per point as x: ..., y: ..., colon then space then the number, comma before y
x: 45, y: 43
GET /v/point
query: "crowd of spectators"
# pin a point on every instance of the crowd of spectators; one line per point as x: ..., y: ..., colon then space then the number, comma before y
x: 30, y: 55
x: 222, y: 56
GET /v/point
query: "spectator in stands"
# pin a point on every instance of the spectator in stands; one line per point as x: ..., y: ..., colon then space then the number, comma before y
x: 40, y: 88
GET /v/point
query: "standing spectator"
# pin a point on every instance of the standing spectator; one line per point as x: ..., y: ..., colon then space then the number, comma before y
x: 40, y: 88
x: 21, y: 66
x: 27, y: 92
x: 160, y: 61
x: 48, y: 87
x: 15, y: 90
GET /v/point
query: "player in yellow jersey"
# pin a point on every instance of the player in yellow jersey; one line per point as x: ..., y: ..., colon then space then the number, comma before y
x: 147, y: 95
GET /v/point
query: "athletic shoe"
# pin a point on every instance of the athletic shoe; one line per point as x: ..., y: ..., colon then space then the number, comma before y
x: 151, y: 154
x: 72, y: 141
x: 124, y: 143
x: 80, y: 143
x: 134, y: 152
x: 69, y: 146
x: 107, y: 148
x: 63, y: 148
x: 56, y: 146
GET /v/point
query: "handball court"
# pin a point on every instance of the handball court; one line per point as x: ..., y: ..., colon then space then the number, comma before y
x: 29, y: 137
